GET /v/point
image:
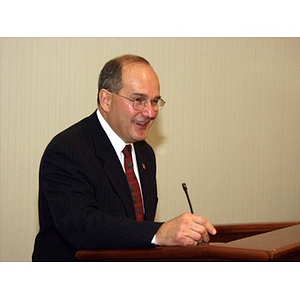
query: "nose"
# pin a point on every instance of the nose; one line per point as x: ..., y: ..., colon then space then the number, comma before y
x: 148, y: 111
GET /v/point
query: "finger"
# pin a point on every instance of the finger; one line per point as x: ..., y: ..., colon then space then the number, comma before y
x: 203, y: 235
x: 202, y: 221
x: 195, y: 235
x: 199, y: 233
x: 205, y: 238
x: 200, y: 240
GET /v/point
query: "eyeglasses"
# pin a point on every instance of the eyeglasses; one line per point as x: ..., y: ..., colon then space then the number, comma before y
x: 140, y: 102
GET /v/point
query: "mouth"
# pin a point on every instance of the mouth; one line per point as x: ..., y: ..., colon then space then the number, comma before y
x: 140, y: 129
x: 142, y: 124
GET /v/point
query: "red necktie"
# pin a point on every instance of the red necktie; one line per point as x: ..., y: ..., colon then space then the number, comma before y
x: 133, y: 184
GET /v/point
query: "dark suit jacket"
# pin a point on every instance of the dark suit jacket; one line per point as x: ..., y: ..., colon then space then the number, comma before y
x: 84, y: 198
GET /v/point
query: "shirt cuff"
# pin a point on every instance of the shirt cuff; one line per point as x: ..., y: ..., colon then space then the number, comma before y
x: 154, y: 240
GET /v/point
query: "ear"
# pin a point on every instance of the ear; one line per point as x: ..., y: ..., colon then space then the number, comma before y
x: 105, y: 98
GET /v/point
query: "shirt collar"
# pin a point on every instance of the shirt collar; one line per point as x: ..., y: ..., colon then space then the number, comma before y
x: 116, y: 141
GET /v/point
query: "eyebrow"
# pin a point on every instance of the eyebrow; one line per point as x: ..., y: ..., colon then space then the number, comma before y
x: 144, y: 95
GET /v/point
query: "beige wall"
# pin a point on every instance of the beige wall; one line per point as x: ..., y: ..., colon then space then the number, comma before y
x: 230, y: 128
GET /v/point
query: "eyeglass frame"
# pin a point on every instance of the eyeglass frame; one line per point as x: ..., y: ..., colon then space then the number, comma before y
x: 145, y: 102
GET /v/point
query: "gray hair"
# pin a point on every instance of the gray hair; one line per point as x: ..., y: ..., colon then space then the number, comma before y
x: 110, y: 77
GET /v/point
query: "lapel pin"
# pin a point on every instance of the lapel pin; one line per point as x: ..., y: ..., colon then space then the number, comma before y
x: 144, y: 167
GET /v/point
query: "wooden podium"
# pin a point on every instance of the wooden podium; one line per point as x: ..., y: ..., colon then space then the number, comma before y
x: 240, y: 242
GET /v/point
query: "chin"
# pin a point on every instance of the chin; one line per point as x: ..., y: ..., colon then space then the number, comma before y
x: 140, y: 138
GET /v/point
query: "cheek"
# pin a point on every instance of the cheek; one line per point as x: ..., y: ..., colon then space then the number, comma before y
x: 121, y: 119
x: 121, y: 115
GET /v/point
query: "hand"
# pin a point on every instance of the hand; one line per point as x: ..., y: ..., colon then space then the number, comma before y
x: 184, y: 230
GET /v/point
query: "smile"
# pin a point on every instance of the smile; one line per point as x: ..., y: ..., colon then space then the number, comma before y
x: 141, y: 124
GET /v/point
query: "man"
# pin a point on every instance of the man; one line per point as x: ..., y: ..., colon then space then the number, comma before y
x: 84, y: 197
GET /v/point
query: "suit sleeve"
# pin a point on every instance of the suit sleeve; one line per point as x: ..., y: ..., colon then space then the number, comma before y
x: 68, y: 202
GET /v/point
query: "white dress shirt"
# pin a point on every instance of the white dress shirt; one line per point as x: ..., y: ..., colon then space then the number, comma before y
x: 119, y: 145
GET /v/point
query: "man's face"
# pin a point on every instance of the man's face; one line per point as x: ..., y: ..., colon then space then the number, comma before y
x: 132, y: 125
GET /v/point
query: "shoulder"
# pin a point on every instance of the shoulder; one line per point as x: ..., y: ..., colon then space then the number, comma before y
x: 77, y: 129
x: 145, y: 154
x: 74, y: 137
x: 144, y: 147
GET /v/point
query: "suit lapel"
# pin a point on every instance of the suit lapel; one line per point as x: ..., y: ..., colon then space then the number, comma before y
x: 112, y: 167
x: 144, y: 177
x: 118, y: 180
